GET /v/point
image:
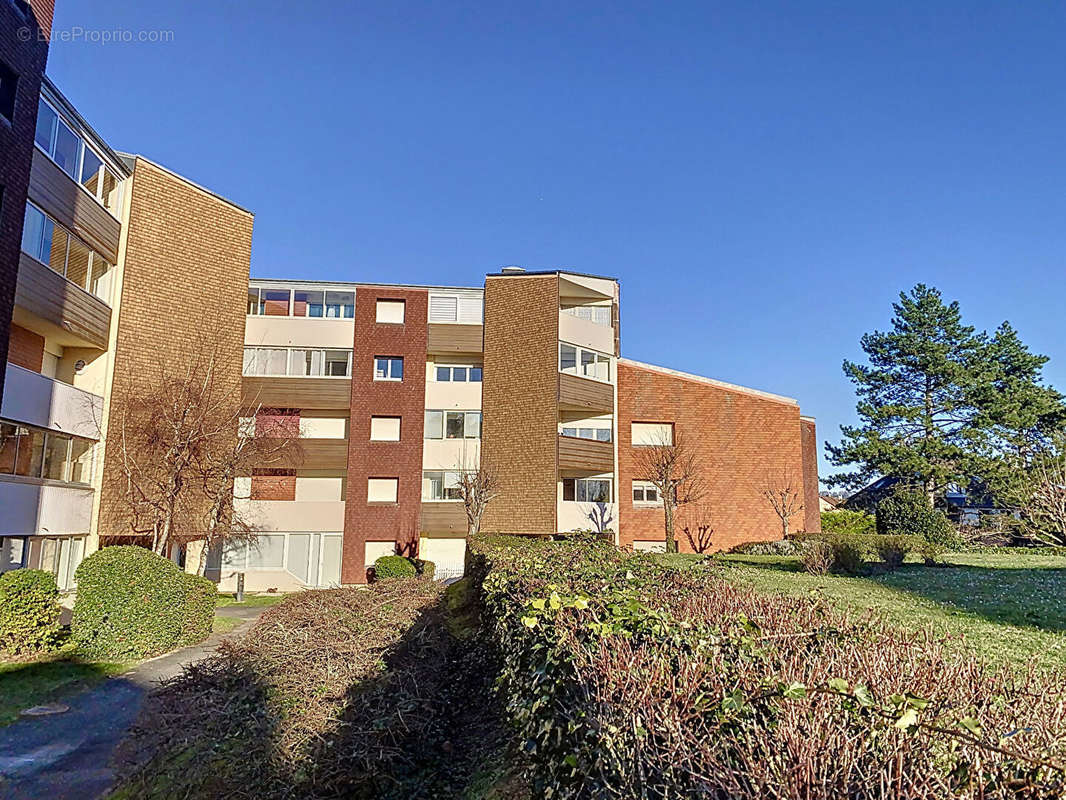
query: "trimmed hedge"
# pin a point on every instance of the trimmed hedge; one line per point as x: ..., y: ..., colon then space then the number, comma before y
x: 29, y: 611
x: 133, y: 604
x: 627, y: 679
x: 388, y: 567
x: 854, y: 549
x: 848, y: 522
x: 907, y: 512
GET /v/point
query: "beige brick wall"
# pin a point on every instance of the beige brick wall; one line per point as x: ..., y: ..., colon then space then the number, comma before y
x: 184, y: 282
x: 520, y: 401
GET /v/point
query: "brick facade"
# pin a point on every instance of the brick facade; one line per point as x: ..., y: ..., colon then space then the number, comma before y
x: 273, y: 484
x: 27, y: 59
x: 520, y: 401
x: 385, y: 522
x: 741, y: 437
x: 809, y: 443
x: 25, y: 348
x: 183, y: 245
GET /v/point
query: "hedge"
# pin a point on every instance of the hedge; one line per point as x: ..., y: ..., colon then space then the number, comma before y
x: 844, y: 521
x: 907, y: 512
x: 388, y: 567
x: 29, y: 611
x: 627, y: 679
x: 134, y: 604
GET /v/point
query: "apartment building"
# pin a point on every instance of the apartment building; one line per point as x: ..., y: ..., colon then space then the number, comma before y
x: 113, y: 254
x: 396, y: 390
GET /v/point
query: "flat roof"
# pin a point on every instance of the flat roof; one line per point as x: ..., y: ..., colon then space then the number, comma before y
x: 365, y: 284
x: 517, y: 274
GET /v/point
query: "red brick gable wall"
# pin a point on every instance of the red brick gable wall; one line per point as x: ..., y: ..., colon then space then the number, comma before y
x: 741, y: 437
x: 25, y: 348
x: 385, y: 522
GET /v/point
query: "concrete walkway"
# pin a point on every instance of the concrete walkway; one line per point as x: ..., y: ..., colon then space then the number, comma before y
x: 67, y: 756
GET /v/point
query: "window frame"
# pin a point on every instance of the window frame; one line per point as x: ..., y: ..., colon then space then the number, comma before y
x: 390, y: 418
x: 391, y: 361
x: 644, y: 487
x: 289, y: 370
x: 347, y: 310
x: 47, y: 438
x: 578, y: 435
x: 444, y: 484
x: 443, y: 415
x: 468, y: 370
x: 579, y: 362
x: 395, y: 481
x: 90, y: 269
x: 584, y: 482
x: 632, y: 439
x: 387, y: 304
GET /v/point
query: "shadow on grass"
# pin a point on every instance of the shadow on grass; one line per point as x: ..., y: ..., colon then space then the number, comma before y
x: 47, y: 679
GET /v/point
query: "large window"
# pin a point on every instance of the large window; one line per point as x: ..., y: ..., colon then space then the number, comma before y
x: 388, y: 368
x: 266, y: 552
x: 61, y: 557
x: 441, y: 485
x: 35, y: 453
x: 456, y: 308
x: 575, y: 360
x: 596, y: 434
x: 587, y: 490
x: 297, y: 362
x: 467, y: 373
x: 453, y: 425
x: 76, y: 158
x: 645, y: 493
x: 599, y: 315
x: 50, y: 244
x: 282, y: 301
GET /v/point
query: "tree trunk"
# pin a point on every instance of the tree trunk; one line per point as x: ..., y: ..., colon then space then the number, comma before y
x: 784, y: 527
x: 201, y: 568
x: 671, y: 542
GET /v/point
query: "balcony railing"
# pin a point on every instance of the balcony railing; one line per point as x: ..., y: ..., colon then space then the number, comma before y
x: 44, y: 402
x: 597, y: 315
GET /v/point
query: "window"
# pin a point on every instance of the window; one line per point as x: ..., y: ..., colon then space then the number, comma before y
x: 34, y: 453
x: 596, y: 434
x: 12, y: 552
x: 441, y: 485
x: 8, y: 90
x: 390, y: 311
x: 297, y: 362
x: 465, y: 374
x: 599, y: 315
x: 382, y: 490
x: 70, y: 152
x: 652, y: 433
x: 274, y: 303
x: 308, y: 304
x: 340, y: 305
x: 61, y: 557
x: 453, y: 425
x: 277, y: 301
x: 384, y: 429
x: 645, y: 493
x: 266, y: 552
x: 586, y: 363
x: 388, y: 368
x: 455, y: 308
x: 50, y: 244
x: 587, y: 490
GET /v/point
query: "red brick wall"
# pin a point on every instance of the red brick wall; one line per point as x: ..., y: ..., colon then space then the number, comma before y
x: 278, y: 422
x: 27, y: 59
x: 812, y: 519
x: 25, y: 348
x: 741, y: 437
x: 273, y: 484
x: 385, y: 522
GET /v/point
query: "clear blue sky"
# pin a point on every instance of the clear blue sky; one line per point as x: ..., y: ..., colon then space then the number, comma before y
x: 762, y: 177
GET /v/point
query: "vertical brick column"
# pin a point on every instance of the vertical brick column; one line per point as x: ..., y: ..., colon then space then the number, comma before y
x: 811, y: 516
x: 26, y: 56
x: 385, y: 522
x: 520, y: 401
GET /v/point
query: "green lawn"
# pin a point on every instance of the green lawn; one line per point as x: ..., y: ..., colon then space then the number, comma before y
x: 48, y: 679
x: 1006, y: 607
x: 250, y: 600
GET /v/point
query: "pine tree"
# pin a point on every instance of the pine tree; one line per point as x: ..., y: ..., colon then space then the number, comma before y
x: 939, y: 403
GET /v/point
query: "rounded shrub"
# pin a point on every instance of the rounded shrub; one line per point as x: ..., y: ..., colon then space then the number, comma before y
x: 29, y: 611
x: 816, y: 557
x: 893, y: 549
x: 849, y: 553
x: 134, y: 604
x: 907, y: 512
x: 848, y: 522
x: 394, y: 567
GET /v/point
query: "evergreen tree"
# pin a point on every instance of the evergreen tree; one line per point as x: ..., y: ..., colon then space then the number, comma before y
x: 940, y: 404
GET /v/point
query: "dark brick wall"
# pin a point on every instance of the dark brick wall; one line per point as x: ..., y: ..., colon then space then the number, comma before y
x: 812, y: 517
x: 385, y: 522
x: 26, y: 348
x: 27, y: 59
x: 520, y: 401
x: 741, y: 438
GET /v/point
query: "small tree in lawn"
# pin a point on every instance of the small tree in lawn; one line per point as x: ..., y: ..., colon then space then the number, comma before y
x: 698, y: 529
x: 670, y: 464
x: 1038, y: 487
x: 784, y: 492
x: 477, y: 488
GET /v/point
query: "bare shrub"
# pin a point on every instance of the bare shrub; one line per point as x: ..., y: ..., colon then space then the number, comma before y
x: 816, y: 557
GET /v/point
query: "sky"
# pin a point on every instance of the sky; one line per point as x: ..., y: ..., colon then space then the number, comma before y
x: 763, y: 178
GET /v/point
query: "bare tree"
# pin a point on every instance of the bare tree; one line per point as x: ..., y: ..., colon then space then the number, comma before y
x: 477, y: 488
x: 784, y: 492
x: 672, y: 466
x: 1038, y: 487
x: 698, y: 529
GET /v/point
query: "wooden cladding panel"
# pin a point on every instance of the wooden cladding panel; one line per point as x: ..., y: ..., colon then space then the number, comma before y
x: 448, y: 338
x: 585, y: 455
x: 585, y: 394
x: 61, y: 197
x: 318, y: 454
x: 45, y: 293
x: 444, y: 517
x: 296, y: 392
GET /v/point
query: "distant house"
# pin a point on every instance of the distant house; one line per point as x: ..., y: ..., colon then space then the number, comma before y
x: 829, y: 503
x: 963, y: 507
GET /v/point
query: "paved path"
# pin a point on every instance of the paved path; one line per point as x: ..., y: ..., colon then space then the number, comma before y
x: 68, y: 756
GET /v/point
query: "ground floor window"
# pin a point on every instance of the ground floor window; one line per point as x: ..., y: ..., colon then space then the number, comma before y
x: 60, y: 556
x: 645, y: 492
x: 12, y: 553
x: 587, y: 490
x: 312, y: 558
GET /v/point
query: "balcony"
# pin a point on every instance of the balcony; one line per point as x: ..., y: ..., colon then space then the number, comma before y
x: 446, y: 517
x: 296, y: 392
x: 585, y: 455
x: 303, y: 332
x: 293, y: 516
x: 33, y: 506
x: 44, y: 402
x: 49, y: 304
x: 588, y: 326
x: 585, y: 394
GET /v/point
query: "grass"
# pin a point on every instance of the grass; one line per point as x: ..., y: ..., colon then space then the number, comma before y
x: 1007, y: 608
x: 48, y: 679
x: 222, y: 624
x: 250, y: 600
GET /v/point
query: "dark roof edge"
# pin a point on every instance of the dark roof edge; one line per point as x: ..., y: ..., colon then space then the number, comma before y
x: 549, y: 272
